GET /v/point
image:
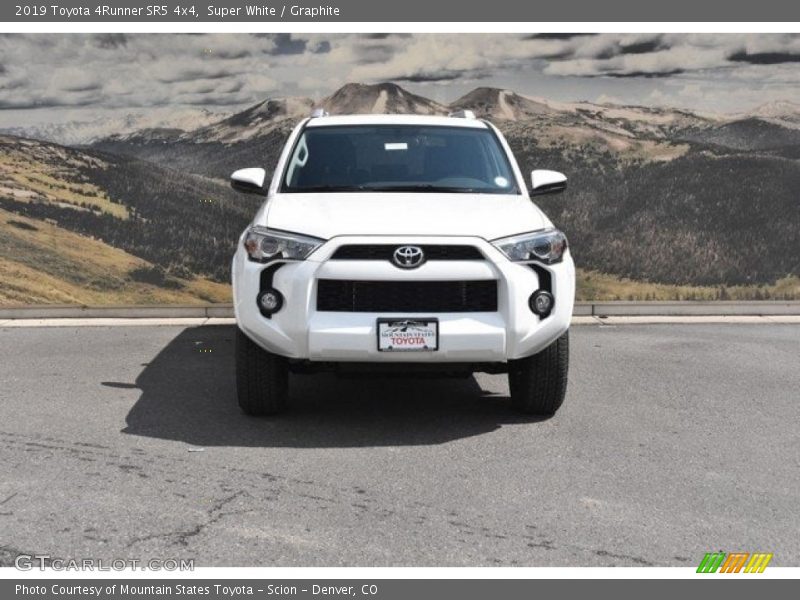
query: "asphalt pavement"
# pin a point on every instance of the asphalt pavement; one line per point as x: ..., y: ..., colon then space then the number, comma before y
x: 674, y: 440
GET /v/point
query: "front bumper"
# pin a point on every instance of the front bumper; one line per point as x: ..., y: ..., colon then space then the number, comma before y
x: 300, y: 331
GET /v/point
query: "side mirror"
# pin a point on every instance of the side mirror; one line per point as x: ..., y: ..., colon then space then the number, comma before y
x: 547, y: 182
x: 249, y: 181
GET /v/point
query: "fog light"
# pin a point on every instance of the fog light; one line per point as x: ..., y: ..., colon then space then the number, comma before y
x: 270, y: 301
x: 541, y: 303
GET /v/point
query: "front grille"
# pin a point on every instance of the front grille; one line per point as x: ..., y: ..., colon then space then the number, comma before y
x: 406, y: 296
x: 385, y: 252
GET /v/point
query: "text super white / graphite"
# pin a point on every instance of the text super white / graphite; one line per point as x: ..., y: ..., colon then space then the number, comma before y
x: 265, y: 10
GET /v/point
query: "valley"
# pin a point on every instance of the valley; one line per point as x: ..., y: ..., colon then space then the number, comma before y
x: 662, y: 203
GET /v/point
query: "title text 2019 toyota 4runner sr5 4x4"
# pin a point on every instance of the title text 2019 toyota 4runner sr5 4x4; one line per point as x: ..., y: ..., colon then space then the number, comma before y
x: 401, y: 244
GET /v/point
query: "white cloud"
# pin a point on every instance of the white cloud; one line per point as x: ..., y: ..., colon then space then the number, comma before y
x: 136, y: 71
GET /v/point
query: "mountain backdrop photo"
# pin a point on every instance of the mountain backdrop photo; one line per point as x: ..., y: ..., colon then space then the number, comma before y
x: 682, y: 151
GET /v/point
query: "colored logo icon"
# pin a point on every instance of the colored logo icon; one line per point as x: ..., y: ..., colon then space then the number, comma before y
x: 734, y: 562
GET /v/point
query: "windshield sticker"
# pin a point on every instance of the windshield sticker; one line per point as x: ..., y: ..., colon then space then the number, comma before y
x: 395, y: 146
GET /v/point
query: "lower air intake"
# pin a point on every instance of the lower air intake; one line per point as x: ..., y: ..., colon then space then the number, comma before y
x: 406, y: 296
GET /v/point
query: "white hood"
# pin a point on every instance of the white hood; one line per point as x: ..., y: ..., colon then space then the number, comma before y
x: 326, y: 215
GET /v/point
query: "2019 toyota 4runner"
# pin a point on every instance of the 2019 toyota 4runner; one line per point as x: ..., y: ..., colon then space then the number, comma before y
x: 401, y: 245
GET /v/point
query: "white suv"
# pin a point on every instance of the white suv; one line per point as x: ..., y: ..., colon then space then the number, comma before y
x: 401, y: 244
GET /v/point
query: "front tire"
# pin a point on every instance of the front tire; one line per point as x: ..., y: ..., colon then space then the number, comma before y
x: 538, y: 383
x: 262, y: 378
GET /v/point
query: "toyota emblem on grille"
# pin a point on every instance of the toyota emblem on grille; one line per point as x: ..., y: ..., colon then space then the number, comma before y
x: 408, y: 257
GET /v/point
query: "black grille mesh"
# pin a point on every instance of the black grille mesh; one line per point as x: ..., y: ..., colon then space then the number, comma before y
x: 406, y: 296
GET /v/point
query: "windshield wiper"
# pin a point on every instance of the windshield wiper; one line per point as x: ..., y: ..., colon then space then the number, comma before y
x: 330, y: 188
x: 418, y: 187
x: 423, y: 187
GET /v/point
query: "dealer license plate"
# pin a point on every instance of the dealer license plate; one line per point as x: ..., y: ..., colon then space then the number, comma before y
x: 408, y: 335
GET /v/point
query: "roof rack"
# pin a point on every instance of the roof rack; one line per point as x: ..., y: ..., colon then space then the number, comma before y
x: 319, y: 112
x: 462, y: 114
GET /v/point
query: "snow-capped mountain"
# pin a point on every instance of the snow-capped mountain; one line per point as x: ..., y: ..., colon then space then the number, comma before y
x: 82, y: 132
x: 382, y: 98
x: 780, y: 112
x: 498, y: 104
x: 253, y: 122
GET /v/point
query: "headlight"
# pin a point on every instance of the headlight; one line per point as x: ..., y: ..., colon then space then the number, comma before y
x: 264, y: 244
x: 543, y: 246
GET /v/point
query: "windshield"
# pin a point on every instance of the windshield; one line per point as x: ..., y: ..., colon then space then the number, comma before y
x: 398, y: 158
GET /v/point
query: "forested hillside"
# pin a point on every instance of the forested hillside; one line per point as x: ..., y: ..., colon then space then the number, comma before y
x: 172, y: 231
x: 655, y: 195
x: 661, y: 203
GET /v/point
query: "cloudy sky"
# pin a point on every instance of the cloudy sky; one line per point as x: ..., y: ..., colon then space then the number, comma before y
x: 58, y: 77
